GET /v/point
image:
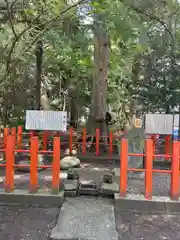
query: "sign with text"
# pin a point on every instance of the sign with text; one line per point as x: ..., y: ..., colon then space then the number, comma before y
x: 160, y: 123
x: 46, y: 120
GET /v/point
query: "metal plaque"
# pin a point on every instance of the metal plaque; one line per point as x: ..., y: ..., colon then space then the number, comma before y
x: 46, y: 120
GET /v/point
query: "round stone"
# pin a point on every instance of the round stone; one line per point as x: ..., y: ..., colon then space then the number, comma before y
x: 69, y: 162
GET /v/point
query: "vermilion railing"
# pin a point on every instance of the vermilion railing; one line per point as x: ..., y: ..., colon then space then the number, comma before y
x: 149, y: 155
x: 168, y: 144
x: 70, y: 142
x: 10, y: 165
x: 13, y: 144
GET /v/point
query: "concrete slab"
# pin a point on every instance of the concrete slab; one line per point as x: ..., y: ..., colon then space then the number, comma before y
x: 86, y: 219
x: 109, y: 189
x: 137, y: 203
x: 22, y: 197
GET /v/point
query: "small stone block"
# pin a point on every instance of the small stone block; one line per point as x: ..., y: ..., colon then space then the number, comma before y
x: 88, y: 188
x: 109, y: 189
x: 107, y: 178
x: 70, y: 187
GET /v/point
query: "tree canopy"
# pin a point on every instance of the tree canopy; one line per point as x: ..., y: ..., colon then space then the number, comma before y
x: 88, y: 56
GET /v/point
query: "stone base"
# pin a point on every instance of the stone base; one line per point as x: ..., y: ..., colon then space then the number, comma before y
x: 22, y: 197
x: 88, y: 188
x: 137, y: 203
x: 70, y: 187
x: 108, y: 189
x: 85, y: 218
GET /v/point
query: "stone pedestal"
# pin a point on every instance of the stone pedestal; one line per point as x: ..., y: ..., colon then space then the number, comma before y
x: 88, y: 188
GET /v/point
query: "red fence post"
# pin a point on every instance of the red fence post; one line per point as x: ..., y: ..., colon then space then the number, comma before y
x: 70, y: 140
x: 56, y: 165
x: 167, y: 146
x: 13, y: 132
x: 110, y: 142
x: 32, y: 133
x: 45, y: 140
x: 123, y: 167
x: 84, y: 142
x: 9, y: 181
x: 97, y: 141
x: 34, y: 164
x: 153, y: 137
x: 175, y: 171
x: 148, y: 168
x: 19, y: 136
x: 6, y: 133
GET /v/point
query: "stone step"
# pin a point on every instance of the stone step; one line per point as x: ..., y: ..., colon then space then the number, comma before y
x: 85, y: 218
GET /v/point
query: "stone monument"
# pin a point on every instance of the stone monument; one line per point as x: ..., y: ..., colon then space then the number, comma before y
x: 136, y: 142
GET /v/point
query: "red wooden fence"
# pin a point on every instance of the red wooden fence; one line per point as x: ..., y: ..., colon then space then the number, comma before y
x: 149, y: 155
x: 97, y: 145
x: 83, y: 144
x: 33, y: 184
x: 13, y: 143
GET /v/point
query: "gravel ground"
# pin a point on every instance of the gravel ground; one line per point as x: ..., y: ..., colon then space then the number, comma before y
x: 131, y: 226
x: 18, y: 223
x: 161, y: 185
x: 37, y: 223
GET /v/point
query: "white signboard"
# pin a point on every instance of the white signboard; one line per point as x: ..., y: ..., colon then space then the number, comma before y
x: 46, y: 120
x: 160, y: 123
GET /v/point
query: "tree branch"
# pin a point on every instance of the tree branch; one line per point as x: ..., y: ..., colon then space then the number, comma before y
x: 150, y: 16
x: 9, y: 9
x: 48, y: 24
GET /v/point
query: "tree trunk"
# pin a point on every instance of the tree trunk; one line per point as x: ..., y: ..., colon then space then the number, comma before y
x: 99, y: 90
x: 135, y: 76
x: 39, y: 60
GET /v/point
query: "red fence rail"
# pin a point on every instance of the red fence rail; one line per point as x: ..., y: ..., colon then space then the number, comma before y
x: 70, y: 143
x: 12, y: 143
x: 95, y: 147
x: 33, y: 183
x: 10, y: 165
x: 149, y: 155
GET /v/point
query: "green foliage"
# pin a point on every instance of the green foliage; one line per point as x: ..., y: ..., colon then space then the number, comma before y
x: 144, y: 32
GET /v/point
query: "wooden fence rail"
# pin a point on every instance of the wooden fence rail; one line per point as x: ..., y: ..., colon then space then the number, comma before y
x: 149, y: 155
x: 112, y: 143
x: 10, y: 150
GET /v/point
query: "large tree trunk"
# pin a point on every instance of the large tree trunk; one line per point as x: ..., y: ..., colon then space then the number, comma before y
x: 72, y: 106
x: 41, y: 96
x: 135, y: 76
x: 99, y: 91
x: 39, y: 60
